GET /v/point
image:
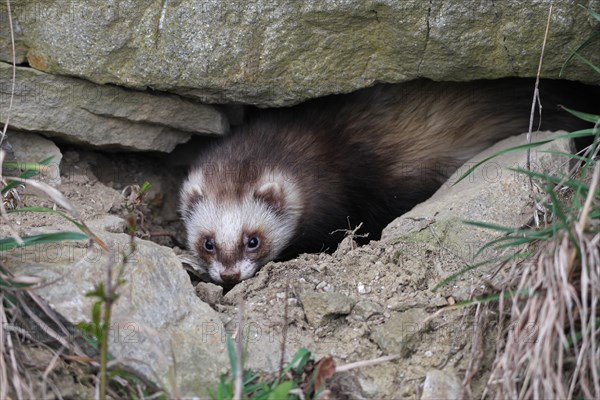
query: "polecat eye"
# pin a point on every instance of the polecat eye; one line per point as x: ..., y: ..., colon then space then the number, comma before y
x: 209, y: 245
x: 253, y: 243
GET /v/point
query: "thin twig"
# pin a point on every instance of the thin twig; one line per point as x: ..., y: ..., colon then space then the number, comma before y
x: 10, y: 349
x: 11, y: 230
x: 536, y: 94
x: 50, y: 368
x: 239, y: 344
x: 583, y: 219
x: 14, y: 71
x: 110, y: 297
x: 3, y: 366
x: 366, y: 363
x: 284, y: 329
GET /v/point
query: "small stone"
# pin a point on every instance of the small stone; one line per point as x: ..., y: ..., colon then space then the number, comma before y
x: 438, y: 302
x: 108, y: 223
x: 209, y: 292
x: 441, y: 385
x: 401, y: 303
x: 33, y: 148
x: 397, y: 334
x: 366, y: 309
x: 319, y: 308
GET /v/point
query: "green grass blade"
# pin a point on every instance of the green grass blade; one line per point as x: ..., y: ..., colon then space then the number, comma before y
x: 86, y: 332
x: 10, y: 301
x: 581, y: 115
x: 300, y: 358
x: 535, y: 174
x: 13, y: 285
x: 13, y: 282
x: 10, y: 243
x: 568, y: 155
x: 250, y: 388
x: 487, y: 225
x: 577, y: 134
x: 555, y: 180
x: 493, y: 297
x: 13, y: 184
x: 250, y: 377
x: 514, y: 237
x: 145, y: 187
x: 47, y: 161
x: 496, y: 243
x: 232, y: 358
x: 509, y: 150
x: 589, y: 40
x: 557, y: 209
x: 225, y: 390
x: 281, y: 391
x: 523, y: 232
x: 261, y: 392
x: 26, y: 175
x: 468, y: 268
x: 582, y: 46
x: 25, y: 166
x: 515, y: 242
x: 592, y: 12
x: 588, y: 62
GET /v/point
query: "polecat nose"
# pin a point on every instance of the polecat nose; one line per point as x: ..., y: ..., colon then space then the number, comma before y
x: 230, y: 276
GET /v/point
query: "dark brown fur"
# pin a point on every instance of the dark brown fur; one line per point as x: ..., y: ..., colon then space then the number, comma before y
x: 369, y: 156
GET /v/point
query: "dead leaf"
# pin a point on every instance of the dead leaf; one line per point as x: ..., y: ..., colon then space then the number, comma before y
x: 324, y: 370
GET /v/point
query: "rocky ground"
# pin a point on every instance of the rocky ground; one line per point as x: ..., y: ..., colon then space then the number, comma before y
x: 356, y: 304
x: 126, y: 81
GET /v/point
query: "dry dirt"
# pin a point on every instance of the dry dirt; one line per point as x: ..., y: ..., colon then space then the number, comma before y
x: 388, y: 303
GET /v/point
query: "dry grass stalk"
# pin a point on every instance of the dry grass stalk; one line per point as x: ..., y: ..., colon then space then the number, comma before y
x: 14, y: 71
x: 551, y: 349
x: 3, y: 213
x: 536, y: 92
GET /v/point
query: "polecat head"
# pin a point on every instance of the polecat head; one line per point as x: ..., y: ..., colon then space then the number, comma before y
x: 236, y: 227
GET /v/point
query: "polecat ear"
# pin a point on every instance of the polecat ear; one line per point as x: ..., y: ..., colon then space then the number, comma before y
x: 191, y: 192
x: 190, y: 196
x: 272, y: 194
x: 194, y: 196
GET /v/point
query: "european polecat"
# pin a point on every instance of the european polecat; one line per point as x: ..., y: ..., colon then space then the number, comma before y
x: 284, y: 182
